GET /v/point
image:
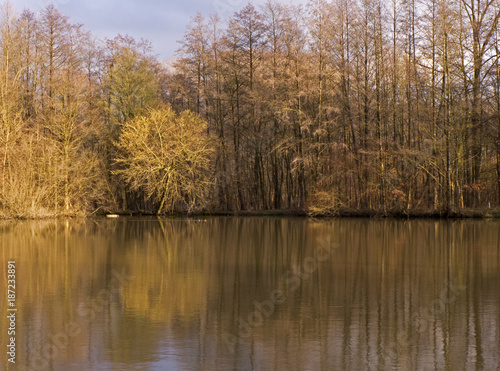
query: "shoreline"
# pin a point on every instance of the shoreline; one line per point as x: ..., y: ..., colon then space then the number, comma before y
x: 493, y: 213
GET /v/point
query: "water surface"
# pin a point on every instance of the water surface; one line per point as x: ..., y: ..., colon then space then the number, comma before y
x: 254, y: 294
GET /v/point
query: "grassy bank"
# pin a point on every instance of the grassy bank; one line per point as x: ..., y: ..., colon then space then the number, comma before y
x: 477, y: 213
x: 341, y: 213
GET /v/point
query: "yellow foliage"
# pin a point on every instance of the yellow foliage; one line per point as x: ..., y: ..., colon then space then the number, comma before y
x: 168, y: 155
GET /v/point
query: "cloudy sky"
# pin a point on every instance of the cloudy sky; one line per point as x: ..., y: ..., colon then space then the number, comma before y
x: 160, y: 21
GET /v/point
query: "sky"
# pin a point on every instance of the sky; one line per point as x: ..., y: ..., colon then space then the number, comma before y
x: 162, y: 22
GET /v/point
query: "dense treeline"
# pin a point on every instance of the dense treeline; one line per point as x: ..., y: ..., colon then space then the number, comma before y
x: 368, y: 104
x: 66, y: 98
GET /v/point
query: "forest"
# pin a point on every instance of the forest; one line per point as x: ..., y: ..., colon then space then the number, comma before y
x: 327, y: 108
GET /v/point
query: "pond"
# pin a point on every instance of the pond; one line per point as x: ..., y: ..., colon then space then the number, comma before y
x: 252, y: 293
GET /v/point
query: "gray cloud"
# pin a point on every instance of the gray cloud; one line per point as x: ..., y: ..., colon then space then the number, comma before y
x: 161, y: 22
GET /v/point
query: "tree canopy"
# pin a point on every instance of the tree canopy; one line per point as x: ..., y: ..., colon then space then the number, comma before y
x: 336, y: 105
x: 168, y: 155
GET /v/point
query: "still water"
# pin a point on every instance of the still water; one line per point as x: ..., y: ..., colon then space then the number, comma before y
x: 234, y: 293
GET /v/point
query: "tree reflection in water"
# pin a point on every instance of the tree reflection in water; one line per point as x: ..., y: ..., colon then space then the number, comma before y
x: 393, y: 294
